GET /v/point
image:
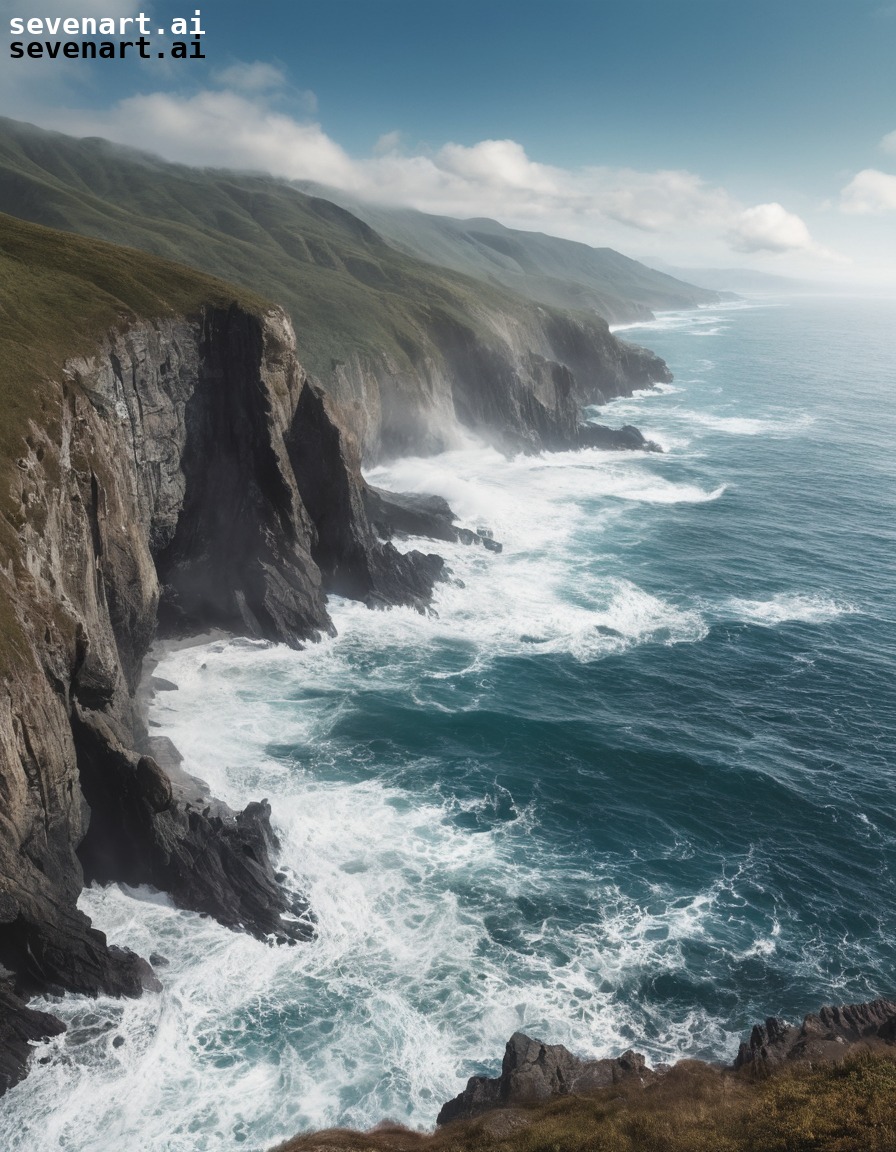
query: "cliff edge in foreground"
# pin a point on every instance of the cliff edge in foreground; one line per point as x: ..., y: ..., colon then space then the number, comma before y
x: 828, y: 1085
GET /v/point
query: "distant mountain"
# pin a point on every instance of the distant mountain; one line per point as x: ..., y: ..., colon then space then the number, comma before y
x: 547, y: 269
x: 737, y: 280
x: 411, y: 351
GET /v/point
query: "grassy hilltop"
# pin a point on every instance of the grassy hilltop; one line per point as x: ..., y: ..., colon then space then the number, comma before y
x: 349, y: 290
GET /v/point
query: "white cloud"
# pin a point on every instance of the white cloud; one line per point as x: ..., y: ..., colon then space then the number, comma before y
x: 241, y: 126
x: 889, y: 142
x: 769, y: 228
x: 226, y: 129
x: 254, y: 77
x: 869, y: 193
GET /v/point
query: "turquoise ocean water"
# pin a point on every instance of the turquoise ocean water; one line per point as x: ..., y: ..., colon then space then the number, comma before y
x: 633, y: 785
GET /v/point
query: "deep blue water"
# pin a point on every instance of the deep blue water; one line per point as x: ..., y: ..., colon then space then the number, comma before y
x: 633, y: 785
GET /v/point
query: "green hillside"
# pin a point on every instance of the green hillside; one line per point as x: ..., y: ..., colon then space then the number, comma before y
x: 348, y: 290
x: 547, y: 269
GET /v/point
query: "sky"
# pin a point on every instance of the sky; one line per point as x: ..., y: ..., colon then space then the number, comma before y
x: 694, y: 133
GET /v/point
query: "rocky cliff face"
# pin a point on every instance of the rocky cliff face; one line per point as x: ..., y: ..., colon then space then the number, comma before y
x: 185, y: 476
x: 517, y: 379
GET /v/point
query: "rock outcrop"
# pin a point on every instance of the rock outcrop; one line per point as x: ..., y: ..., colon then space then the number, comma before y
x: 20, y: 1027
x: 823, y: 1037
x: 628, y: 438
x: 533, y: 1071
x: 185, y: 476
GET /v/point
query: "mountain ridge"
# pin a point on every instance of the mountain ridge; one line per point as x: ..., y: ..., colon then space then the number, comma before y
x: 413, y: 353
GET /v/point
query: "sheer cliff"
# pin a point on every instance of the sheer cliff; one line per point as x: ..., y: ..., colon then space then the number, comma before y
x: 161, y: 450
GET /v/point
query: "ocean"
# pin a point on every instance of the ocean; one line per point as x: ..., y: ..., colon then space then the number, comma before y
x: 631, y: 784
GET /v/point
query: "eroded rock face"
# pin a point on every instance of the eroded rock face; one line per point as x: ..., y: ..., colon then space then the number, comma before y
x: 326, y: 460
x: 517, y: 381
x: 823, y: 1037
x: 20, y: 1026
x: 533, y: 1071
x: 160, y: 490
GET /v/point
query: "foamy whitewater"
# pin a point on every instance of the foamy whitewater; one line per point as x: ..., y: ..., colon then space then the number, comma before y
x: 630, y: 783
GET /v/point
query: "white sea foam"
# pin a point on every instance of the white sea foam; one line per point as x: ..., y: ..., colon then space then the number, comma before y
x: 421, y: 968
x: 783, y: 424
x: 406, y: 986
x: 788, y: 607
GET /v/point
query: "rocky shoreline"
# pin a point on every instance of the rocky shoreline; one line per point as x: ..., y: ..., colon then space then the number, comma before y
x: 533, y: 1072
x: 185, y: 475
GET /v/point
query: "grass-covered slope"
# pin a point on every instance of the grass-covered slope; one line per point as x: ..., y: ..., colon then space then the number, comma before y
x: 59, y: 295
x: 547, y: 269
x: 355, y: 299
x: 348, y: 290
x: 847, y: 1107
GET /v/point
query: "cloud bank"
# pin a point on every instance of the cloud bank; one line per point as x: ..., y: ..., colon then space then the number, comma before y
x: 241, y: 124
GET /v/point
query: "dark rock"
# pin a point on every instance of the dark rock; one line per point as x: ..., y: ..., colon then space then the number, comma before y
x: 628, y: 438
x: 409, y: 514
x: 327, y: 465
x: 490, y: 545
x: 159, y: 684
x: 158, y: 960
x: 147, y: 829
x: 823, y: 1037
x: 533, y: 1071
x: 238, y: 556
x: 20, y: 1027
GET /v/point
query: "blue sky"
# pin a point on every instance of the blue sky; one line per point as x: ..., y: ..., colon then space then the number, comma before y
x: 688, y: 131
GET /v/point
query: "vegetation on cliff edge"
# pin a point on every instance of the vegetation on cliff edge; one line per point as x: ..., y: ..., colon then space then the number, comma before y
x: 846, y: 1107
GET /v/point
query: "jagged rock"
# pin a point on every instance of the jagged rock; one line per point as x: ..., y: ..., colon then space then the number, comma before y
x: 20, y: 1026
x: 416, y: 514
x: 147, y: 829
x: 823, y: 1037
x: 409, y: 514
x: 534, y: 1071
x: 627, y: 438
x: 159, y: 490
x: 327, y: 465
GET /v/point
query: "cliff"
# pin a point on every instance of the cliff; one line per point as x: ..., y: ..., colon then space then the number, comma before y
x: 415, y: 354
x: 166, y: 467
